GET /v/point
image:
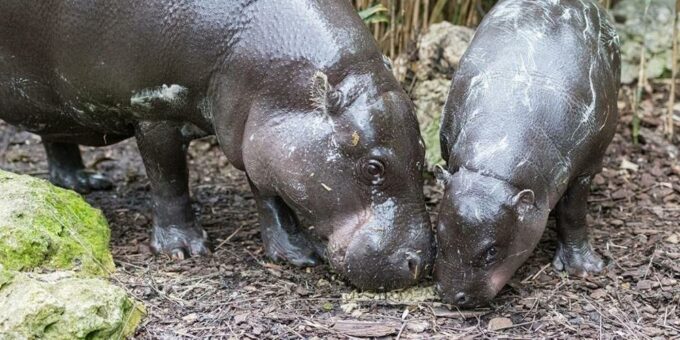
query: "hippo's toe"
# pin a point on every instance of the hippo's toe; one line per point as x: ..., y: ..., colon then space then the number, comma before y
x: 94, y: 181
x: 294, y: 249
x: 579, y: 261
x: 179, y: 241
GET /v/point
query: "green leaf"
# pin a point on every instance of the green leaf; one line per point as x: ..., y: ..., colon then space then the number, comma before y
x: 374, y: 14
x: 377, y: 18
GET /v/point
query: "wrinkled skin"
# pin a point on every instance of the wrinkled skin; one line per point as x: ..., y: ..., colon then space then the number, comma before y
x: 531, y: 111
x: 296, y: 92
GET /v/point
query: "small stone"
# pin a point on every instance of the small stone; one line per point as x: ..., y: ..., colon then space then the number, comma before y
x: 598, y: 294
x: 644, y: 285
x: 496, y: 324
x: 190, y: 318
x: 241, y: 318
x: 418, y: 326
x: 673, y: 239
x: 628, y: 165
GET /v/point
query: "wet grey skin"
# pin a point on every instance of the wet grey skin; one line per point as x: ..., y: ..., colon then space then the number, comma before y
x: 297, y: 93
x: 530, y: 113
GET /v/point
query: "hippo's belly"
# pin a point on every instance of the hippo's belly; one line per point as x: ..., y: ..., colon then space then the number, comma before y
x: 35, y: 106
x: 59, y: 111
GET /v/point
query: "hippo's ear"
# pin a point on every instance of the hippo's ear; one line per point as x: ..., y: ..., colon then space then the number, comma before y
x: 388, y: 62
x: 442, y: 174
x: 323, y: 96
x: 524, y: 201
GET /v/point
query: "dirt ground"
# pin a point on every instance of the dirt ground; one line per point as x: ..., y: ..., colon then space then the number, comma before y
x: 238, y: 293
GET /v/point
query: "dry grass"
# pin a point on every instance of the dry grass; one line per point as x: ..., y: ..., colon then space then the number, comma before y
x: 396, y: 24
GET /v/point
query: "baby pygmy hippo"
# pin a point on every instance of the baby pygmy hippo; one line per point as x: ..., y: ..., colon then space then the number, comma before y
x: 530, y: 113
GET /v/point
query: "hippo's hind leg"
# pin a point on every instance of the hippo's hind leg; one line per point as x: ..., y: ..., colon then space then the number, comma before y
x: 282, y: 239
x: 574, y: 253
x: 164, y: 152
x: 67, y: 169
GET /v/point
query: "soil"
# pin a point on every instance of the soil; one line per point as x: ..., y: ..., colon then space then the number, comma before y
x: 238, y: 293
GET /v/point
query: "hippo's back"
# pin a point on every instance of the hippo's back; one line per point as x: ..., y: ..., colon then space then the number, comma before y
x: 534, y: 99
x: 122, y: 43
x: 74, y: 68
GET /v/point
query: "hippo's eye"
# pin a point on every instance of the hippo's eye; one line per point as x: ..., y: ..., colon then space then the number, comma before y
x: 373, y: 171
x: 490, y: 255
x: 335, y: 99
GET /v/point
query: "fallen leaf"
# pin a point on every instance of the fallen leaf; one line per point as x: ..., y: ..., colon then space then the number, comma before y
x: 673, y: 239
x: 496, y: 324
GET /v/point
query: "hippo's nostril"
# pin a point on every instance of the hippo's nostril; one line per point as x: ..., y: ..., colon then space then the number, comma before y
x: 460, y: 298
x: 414, y: 265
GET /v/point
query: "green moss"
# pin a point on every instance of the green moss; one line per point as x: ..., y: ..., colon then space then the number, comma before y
x: 430, y: 96
x: 433, y: 153
x: 63, y: 306
x: 5, y: 277
x: 49, y: 227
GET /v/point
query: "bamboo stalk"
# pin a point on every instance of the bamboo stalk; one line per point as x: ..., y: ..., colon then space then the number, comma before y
x: 674, y: 71
x: 635, y: 124
x: 416, y: 16
x: 437, y: 11
x: 393, y: 28
x: 409, y: 18
x: 426, y: 21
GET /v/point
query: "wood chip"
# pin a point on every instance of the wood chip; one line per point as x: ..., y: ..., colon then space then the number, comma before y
x: 364, y: 329
x: 441, y: 312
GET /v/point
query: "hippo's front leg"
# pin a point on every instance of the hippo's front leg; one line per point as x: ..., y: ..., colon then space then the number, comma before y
x: 164, y: 150
x: 282, y: 239
x: 67, y: 170
x: 574, y: 254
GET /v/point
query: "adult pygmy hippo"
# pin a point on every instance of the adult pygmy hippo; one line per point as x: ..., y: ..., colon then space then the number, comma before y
x: 296, y: 91
x: 531, y: 111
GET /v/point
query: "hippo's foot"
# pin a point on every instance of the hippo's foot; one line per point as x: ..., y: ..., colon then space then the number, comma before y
x: 295, y: 249
x: 580, y: 261
x: 179, y: 241
x: 81, y: 181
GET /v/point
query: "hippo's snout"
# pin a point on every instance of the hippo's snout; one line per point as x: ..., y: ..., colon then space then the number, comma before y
x: 464, y: 299
x: 392, y: 260
x: 465, y: 289
x: 404, y: 268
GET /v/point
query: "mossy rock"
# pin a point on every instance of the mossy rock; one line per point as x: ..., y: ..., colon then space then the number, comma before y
x: 61, y: 305
x: 655, y: 30
x: 42, y: 226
